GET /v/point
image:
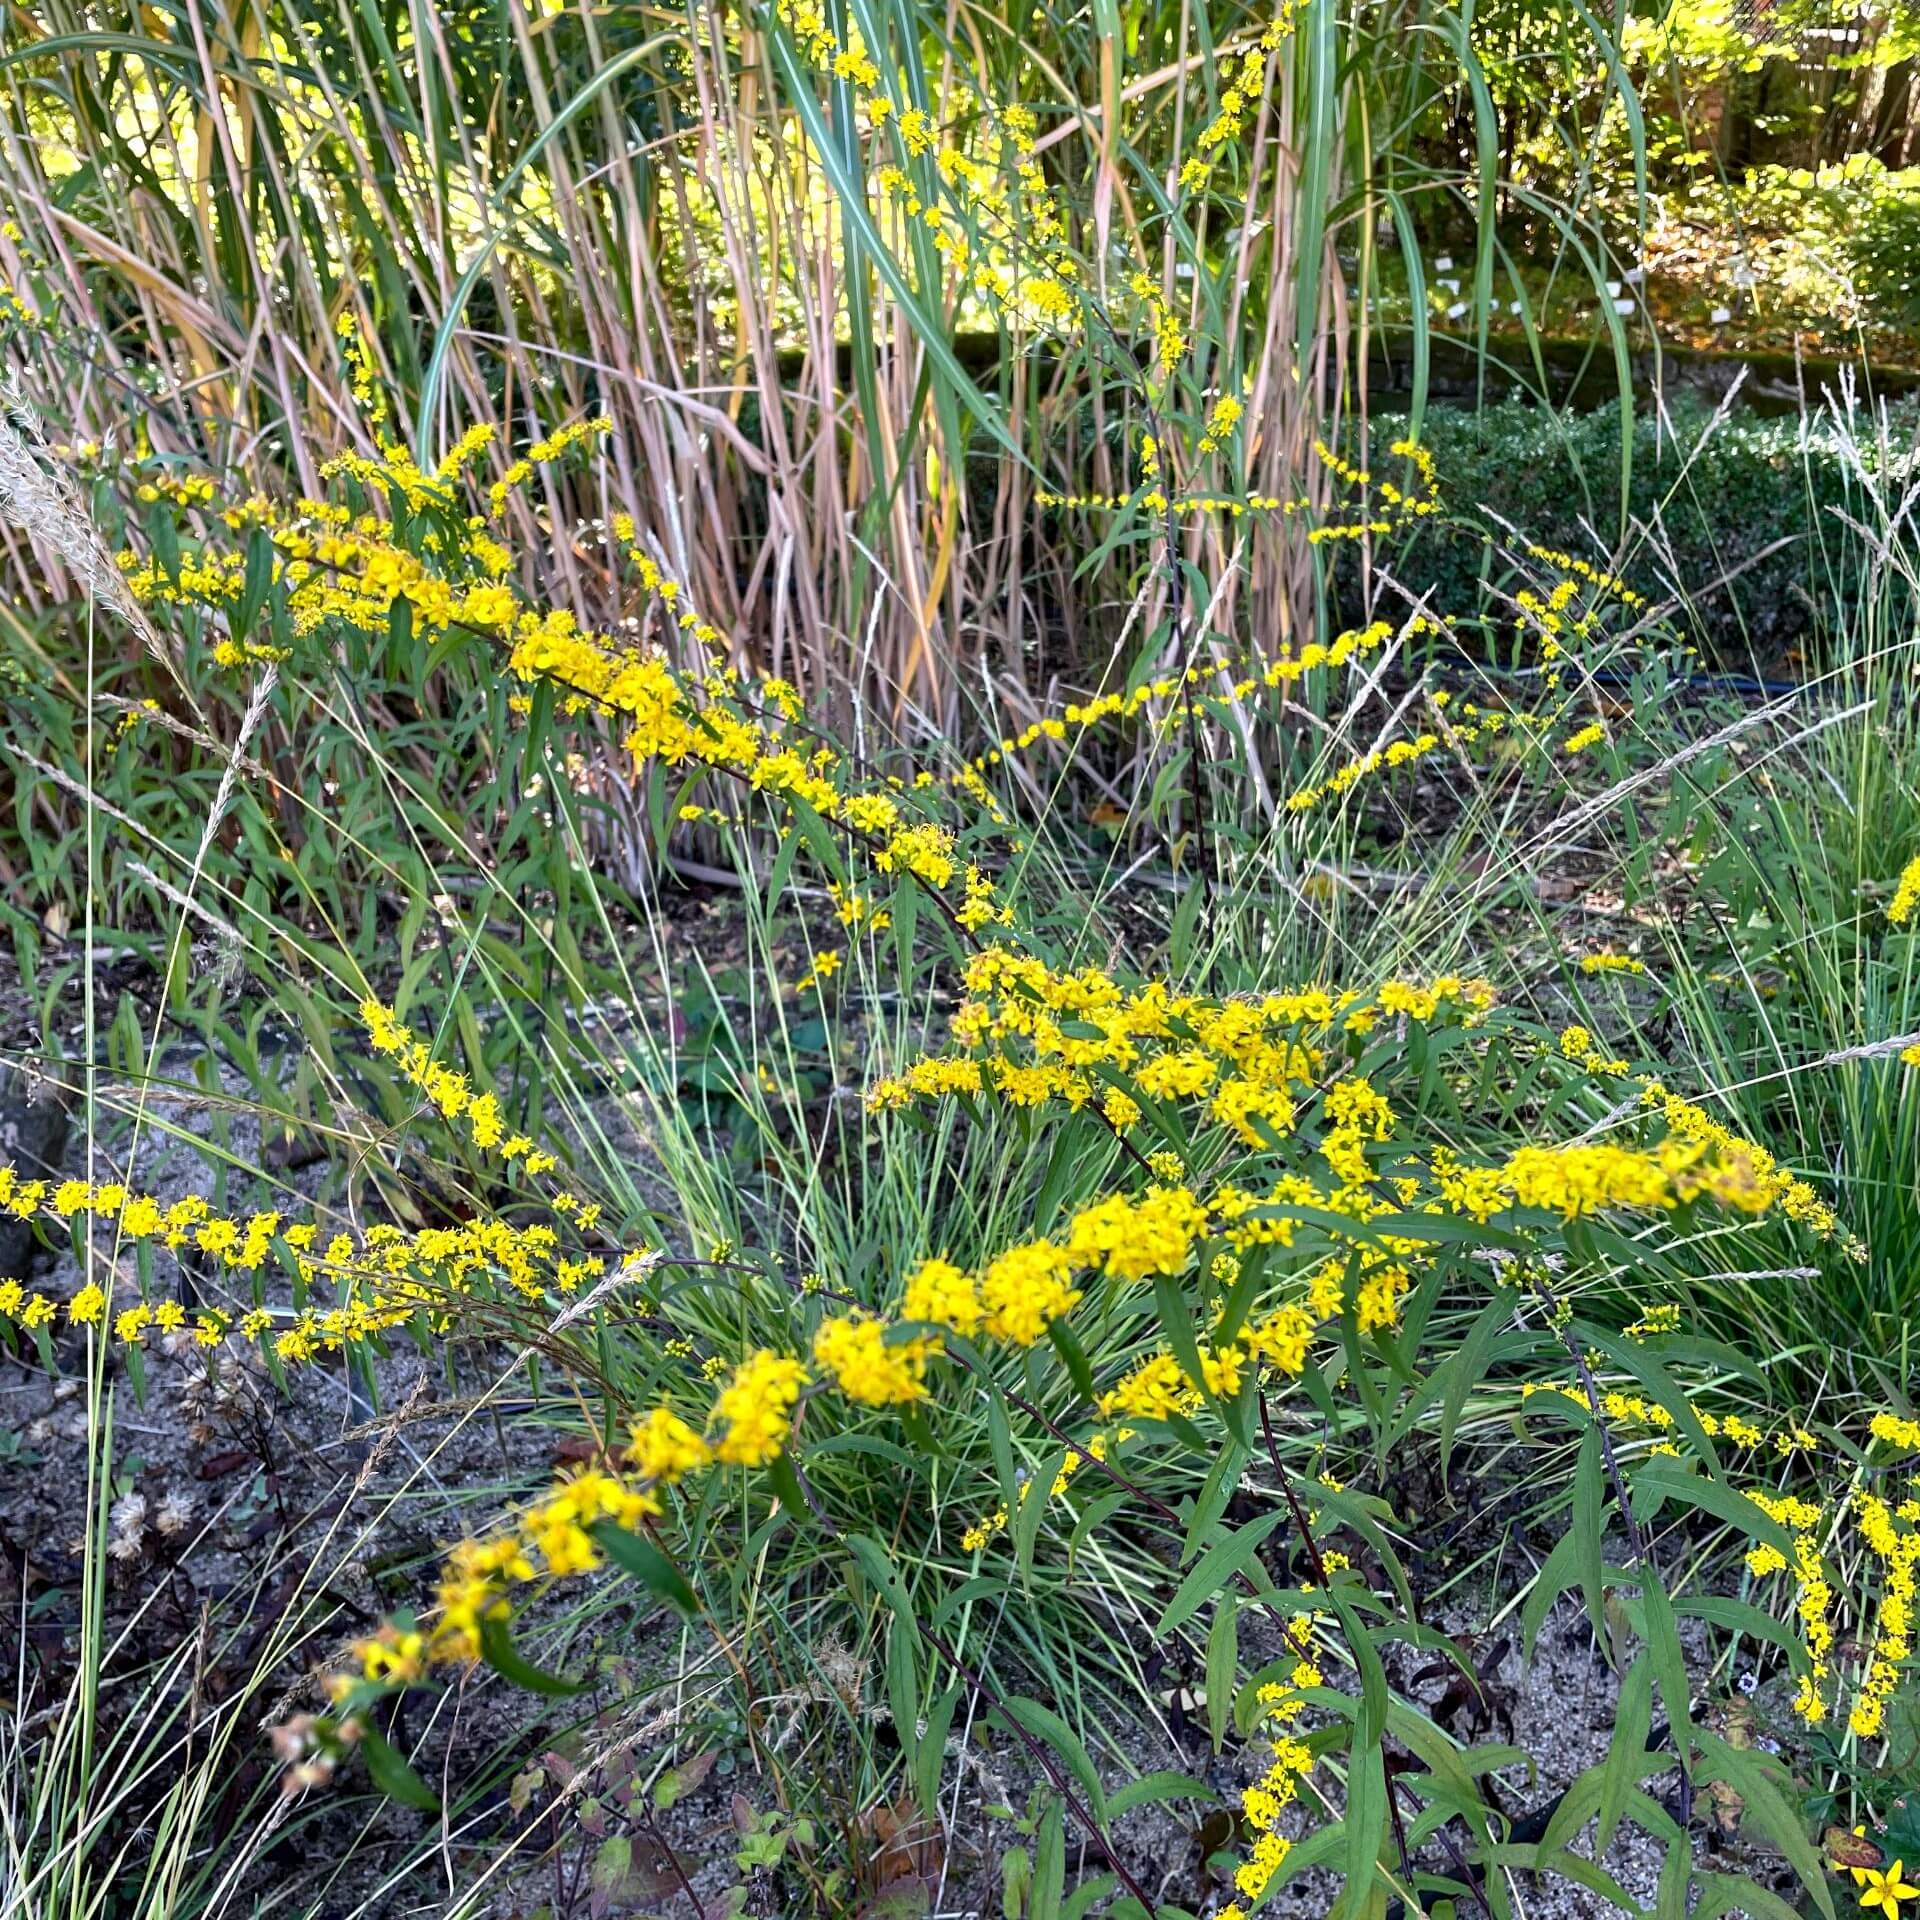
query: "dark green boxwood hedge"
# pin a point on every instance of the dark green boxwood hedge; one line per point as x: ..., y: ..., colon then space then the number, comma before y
x: 1701, y: 503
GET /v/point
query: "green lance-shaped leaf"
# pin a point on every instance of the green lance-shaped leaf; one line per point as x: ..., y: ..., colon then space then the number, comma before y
x: 634, y: 1553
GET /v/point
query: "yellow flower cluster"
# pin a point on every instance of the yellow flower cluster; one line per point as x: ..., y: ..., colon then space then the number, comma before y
x: 1420, y: 504
x: 182, y: 489
x: 1656, y: 1320
x: 1153, y: 497
x: 1456, y: 735
x: 1610, y: 962
x: 1577, y: 1044
x: 454, y: 1096
x: 1889, y: 1536
x: 1035, y: 1035
x: 1003, y: 197
x: 1579, y: 1180
x: 1173, y: 1049
x: 1170, y: 343
x: 943, y: 1295
x: 247, y: 653
x: 821, y: 46
x: 1221, y: 423
x: 1773, y: 1184
x: 755, y: 1409
x: 665, y: 1449
x: 701, y: 723
x: 363, y: 375
x: 1024, y: 1290
x: 1081, y: 717
x: 1906, y: 895
x: 239, y: 1245
x: 389, y: 1275
x: 1628, y: 1410
x: 991, y: 1525
x: 1133, y: 1239
x: 1548, y: 618
x: 856, y: 1353
x: 673, y: 597
x: 394, y: 472
x: 1893, y: 1539
x: 822, y: 968
x: 1813, y: 1596
x: 983, y: 1531
x: 1570, y: 607
x: 1426, y: 500
x: 395, y: 1276
x: 1281, y: 1706
x: 1158, y: 1388
x: 1025, y: 1017
x: 855, y: 909
x: 1607, y: 584
x: 552, y: 1539
x: 1244, y: 80
x: 334, y: 566
x: 1072, y: 1021
x: 1184, y: 506
x: 551, y: 448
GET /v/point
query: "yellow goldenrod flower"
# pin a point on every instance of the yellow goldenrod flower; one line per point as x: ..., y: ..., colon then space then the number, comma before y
x: 753, y: 1411
x: 665, y: 1449
x: 855, y: 1352
x: 940, y: 1293
x: 1906, y: 895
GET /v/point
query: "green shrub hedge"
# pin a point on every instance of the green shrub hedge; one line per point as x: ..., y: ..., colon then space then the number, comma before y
x: 1701, y: 503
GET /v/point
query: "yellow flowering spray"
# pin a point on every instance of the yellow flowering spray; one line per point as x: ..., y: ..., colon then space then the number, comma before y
x: 1270, y: 1202
x: 1906, y: 895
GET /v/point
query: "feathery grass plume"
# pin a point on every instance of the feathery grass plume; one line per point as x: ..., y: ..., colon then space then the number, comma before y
x: 39, y: 495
